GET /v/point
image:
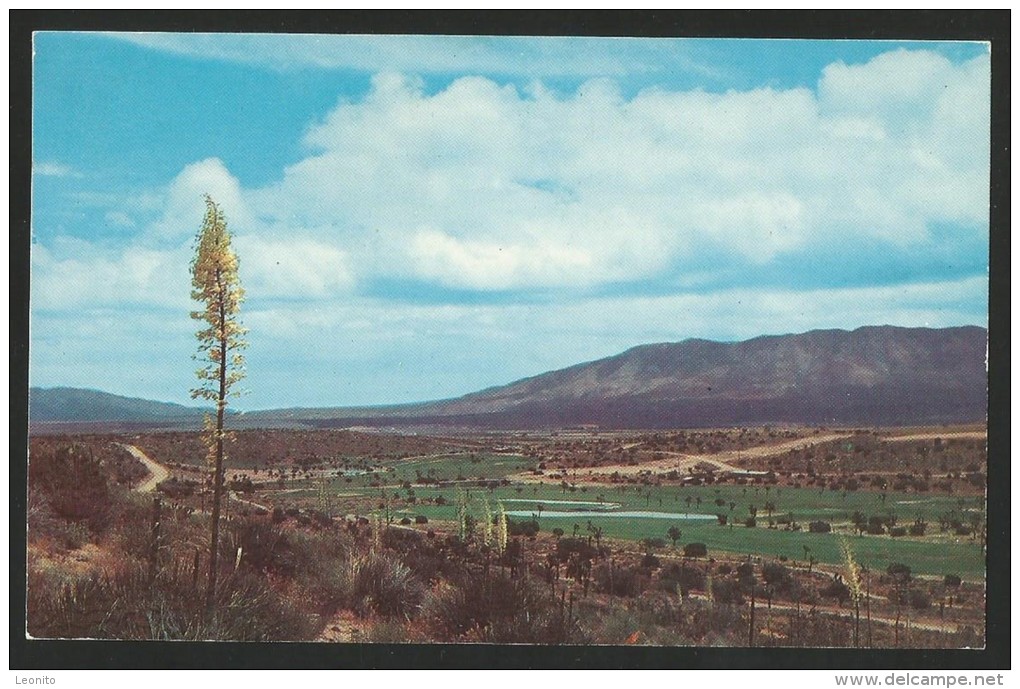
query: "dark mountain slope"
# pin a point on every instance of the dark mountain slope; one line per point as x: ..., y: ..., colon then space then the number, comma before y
x: 78, y: 405
x: 877, y: 375
x: 870, y: 375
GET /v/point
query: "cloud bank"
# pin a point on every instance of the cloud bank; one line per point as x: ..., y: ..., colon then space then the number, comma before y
x: 483, y: 231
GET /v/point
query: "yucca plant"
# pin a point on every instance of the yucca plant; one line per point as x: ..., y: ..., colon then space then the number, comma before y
x: 853, y: 580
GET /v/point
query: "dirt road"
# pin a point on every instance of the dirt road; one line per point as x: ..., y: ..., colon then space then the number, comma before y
x: 157, y: 472
x: 976, y: 435
x: 721, y: 460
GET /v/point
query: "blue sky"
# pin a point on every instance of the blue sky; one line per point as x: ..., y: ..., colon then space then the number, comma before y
x: 421, y: 217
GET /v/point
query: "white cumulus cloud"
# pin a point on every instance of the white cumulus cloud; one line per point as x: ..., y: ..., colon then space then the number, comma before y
x: 482, y: 185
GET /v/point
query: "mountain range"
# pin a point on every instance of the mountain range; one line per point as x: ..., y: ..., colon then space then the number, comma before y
x: 875, y: 375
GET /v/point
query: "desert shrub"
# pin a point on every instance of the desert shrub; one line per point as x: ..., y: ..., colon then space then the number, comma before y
x: 727, y: 592
x: 897, y: 531
x: 695, y: 550
x: 652, y: 543
x: 836, y: 589
x: 43, y: 523
x: 380, y: 582
x: 266, y: 548
x: 130, y: 525
x: 683, y: 576
x: 777, y: 576
x: 912, y: 596
x: 421, y: 519
x: 125, y: 469
x: 495, y: 608
x: 565, y: 547
x: 74, y: 484
x: 649, y: 561
x: 616, y: 580
x: 246, y: 609
x: 952, y: 581
x: 128, y: 605
x: 176, y: 489
x: 898, y: 571
x: 523, y: 528
x: 750, y: 522
x: 819, y: 527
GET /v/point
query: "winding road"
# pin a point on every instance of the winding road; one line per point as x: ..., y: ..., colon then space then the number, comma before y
x: 157, y: 472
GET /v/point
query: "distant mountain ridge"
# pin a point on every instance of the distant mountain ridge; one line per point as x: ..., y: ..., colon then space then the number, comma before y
x: 876, y: 375
x: 85, y: 405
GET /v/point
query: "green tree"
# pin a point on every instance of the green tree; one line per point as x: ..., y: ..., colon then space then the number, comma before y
x: 216, y: 286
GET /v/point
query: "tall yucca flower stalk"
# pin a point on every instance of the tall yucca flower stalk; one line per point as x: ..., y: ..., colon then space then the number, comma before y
x: 461, y: 515
x: 377, y: 533
x: 502, y: 530
x: 487, y: 529
x: 216, y: 286
x: 853, y: 580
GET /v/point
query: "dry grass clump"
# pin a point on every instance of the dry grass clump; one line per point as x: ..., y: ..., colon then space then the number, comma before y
x: 496, y: 608
x: 379, y: 582
x: 130, y: 605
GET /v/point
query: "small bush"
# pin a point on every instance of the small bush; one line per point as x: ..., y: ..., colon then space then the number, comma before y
x: 381, y: 583
x: 264, y: 547
x: 836, y: 589
x: 695, y: 550
x: 727, y: 592
x: 914, y: 597
x: 496, y: 609
x: 74, y: 484
x: 819, y: 527
x: 616, y: 580
x: 565, y: 547
x: 777, y: 576
x: 952, y: 581
x: 524, y: 528
x: 898, y: 571
x: 649, y: 561
x: 685, y: 577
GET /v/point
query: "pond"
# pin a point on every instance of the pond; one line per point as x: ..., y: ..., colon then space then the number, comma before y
x: 603, y: 514
x: 573, y: 503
